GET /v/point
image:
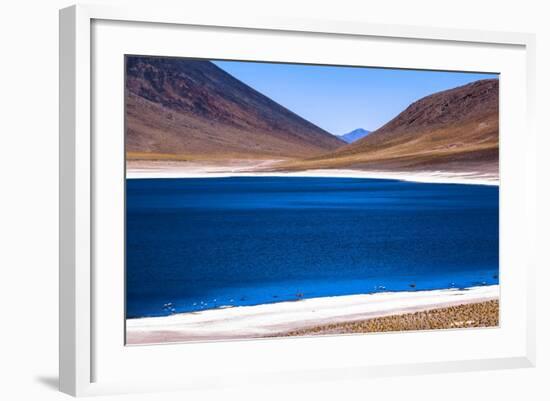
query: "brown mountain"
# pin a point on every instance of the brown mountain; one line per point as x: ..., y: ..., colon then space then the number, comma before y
x: 456, y: 129
x: 184, y: 109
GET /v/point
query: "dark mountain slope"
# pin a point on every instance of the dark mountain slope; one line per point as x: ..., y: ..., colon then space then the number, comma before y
x: 191, y: 108
x: 456, y: 129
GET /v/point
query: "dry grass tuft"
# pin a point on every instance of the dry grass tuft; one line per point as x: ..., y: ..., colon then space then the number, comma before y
x: 482, y: 314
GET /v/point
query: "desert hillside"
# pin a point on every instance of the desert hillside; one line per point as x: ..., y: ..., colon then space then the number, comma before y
x: 182, y: 109
x: 456, y: 129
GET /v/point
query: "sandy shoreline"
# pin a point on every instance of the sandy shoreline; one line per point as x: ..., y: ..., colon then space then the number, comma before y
x: 137, y: 169
x: 271, y: 319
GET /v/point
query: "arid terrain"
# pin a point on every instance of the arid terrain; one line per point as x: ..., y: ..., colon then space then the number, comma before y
x: 453, y: 130
x: 187, y: 110
x: 481, y: 314
x: 190, y: 114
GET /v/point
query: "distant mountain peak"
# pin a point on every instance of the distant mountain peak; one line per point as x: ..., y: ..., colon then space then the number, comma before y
x: 354, y: 135
x: 359, y: 131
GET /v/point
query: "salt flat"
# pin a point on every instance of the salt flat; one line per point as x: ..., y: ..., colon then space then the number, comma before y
x: 251, y: 169
x: 270, y: 319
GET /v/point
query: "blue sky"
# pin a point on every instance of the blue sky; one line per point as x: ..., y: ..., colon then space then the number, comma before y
x: 341, y: 99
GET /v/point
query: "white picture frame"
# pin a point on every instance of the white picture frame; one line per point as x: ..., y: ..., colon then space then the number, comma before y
x: 82, y: 346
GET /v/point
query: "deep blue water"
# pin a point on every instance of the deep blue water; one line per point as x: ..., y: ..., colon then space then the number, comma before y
x: 196, y: 244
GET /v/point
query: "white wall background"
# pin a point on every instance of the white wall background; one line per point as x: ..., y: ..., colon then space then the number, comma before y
x: 29, y: 187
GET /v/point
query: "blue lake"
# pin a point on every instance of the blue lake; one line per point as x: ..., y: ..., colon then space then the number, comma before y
x: 195, y: 244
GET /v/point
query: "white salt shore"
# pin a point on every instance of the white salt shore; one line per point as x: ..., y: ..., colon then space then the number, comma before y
x: 270, y: 319
x: 443, y: 177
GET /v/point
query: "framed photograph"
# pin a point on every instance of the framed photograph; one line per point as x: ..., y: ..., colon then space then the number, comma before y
x: 279, y: 200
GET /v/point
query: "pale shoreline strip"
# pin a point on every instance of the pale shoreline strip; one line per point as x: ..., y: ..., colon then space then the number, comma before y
x: 269, y: 319
x: 436, y: 177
